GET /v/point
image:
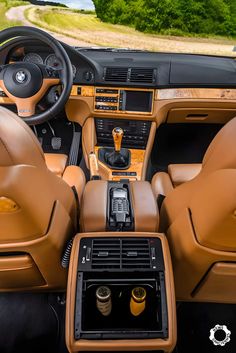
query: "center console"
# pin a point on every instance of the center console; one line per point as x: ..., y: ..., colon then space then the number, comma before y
x: 122, y: 148
x: 120, y: 294
x: 136, y: 132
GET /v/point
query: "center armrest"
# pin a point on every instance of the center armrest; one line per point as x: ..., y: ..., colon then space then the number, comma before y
x: 97, y: 214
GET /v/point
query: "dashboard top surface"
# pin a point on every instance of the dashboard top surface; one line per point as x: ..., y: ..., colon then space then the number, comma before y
x: 113, y: 67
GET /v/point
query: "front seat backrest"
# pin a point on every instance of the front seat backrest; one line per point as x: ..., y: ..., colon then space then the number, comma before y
x: 221, y: 154
x: 38, y: 211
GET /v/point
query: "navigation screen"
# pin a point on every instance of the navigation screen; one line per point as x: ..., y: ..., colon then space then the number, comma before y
x: 137, y: 101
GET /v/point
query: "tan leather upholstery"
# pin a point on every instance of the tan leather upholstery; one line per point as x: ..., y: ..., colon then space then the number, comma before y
x: 220, y: 278
x: 56, y: 162
x: 181, y: 173
x: 161, y: 184
x: 46, y: 213
x: 146, y: 214
x: 74, y: 177
x: 199, y: 216
x: 93, y: 215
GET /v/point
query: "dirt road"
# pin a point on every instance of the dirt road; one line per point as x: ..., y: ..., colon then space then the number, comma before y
x: 130, y: 39
x: 17, y: 14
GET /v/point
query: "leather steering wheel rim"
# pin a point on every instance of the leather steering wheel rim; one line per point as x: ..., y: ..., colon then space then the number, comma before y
x: 66, y: 77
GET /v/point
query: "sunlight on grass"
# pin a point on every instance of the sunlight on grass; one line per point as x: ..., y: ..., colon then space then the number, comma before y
x: 4, y: 6
x: 89, y: 30
x: 77, y: 21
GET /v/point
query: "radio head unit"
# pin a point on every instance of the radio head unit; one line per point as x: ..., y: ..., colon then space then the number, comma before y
x: 119, y: 100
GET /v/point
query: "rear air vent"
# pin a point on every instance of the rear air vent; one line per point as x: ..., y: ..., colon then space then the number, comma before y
x: 135, y: 253
x: 116, y: 74
x: 142, y: 75
x: 106, y: 253
x: 120, y: 254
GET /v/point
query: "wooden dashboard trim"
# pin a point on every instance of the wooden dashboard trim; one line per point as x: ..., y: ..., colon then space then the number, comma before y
x: 136, y: 165
x: 90, y: 91
x: 196, y: 93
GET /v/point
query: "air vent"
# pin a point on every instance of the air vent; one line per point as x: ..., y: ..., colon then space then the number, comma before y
x: 135, y: 253
x: 106, y: 253
x: 116, y: 74
x: 142, y: 75
x: 120, y: 254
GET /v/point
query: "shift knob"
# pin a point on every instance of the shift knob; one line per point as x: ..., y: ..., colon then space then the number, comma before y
x: 117, y: 134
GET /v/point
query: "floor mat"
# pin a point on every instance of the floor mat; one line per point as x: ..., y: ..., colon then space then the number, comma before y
x: 181, y: 143
x: 195, y: 320
x: 30, y: 323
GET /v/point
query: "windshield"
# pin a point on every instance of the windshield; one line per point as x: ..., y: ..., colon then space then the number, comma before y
x: 174, y: 26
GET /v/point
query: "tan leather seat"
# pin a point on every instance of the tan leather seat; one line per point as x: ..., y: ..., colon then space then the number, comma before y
x: 163, y: 183
x: 38, y: 210
x: 199, y: 218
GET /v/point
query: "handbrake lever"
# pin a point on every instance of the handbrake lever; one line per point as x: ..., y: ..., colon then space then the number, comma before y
x: 93, y: 166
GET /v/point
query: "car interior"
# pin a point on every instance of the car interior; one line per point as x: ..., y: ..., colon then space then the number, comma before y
x: 117, y: 198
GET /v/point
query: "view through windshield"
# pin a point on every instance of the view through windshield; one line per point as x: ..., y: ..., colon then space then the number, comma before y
x: 180, y: 26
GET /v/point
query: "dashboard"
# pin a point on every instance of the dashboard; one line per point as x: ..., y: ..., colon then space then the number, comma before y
x: 101, y: 66
x: 139, y: 85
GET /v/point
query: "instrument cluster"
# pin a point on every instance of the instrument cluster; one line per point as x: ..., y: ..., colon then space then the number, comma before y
x: 51, y: 60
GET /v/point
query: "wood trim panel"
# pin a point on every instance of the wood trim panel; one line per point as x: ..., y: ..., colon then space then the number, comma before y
x: 165, y: 345
x: 86, y: 91
x: 136, y: 165
x: 196, y: 93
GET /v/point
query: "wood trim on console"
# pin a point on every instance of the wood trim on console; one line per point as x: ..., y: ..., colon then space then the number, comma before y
x: 165, y: 345
x: 196, y: 93
x: 136, y: 165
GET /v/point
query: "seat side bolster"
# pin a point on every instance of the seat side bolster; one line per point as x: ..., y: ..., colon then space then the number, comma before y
x: 74, y: 177
x: 56, y: 163
x: 181, y: 173
x: 161, y: 184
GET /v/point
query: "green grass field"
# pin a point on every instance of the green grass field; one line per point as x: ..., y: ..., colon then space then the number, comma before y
x: 73, y: 21
x: 4, y: 6
x: 89, y: 30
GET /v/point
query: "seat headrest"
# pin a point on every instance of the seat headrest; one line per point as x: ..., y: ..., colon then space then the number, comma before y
x: 221, y: 154
x: 18, y: 144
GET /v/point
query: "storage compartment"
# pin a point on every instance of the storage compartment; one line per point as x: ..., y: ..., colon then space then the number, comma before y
x: 200, y: 115
x: 121, y: 323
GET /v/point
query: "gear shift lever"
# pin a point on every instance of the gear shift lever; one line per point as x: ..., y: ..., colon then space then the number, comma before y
x: 117, y: 157
x: 117, y: 134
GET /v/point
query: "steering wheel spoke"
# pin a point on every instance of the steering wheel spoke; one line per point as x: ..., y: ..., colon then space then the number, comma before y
x: 26, y: 106
x: 50, y: 72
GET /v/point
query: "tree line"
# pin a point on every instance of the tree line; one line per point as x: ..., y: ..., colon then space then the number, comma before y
x: 172, y: 17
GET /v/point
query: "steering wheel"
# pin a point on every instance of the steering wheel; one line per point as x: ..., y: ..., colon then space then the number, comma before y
x: 27, y: 83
